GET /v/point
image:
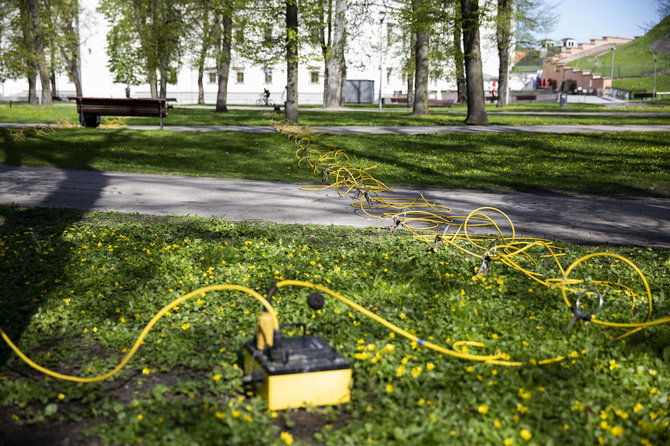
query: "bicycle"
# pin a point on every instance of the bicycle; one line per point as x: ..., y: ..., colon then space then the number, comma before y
x: 263, y: 101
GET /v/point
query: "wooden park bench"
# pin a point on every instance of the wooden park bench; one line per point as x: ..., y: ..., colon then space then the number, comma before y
x: 440, y: 102
x: 90, y: 109
x: 526, y: 97
x: 399, y: 100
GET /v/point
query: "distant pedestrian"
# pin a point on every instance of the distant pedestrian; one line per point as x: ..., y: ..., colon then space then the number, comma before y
x: 128, y: 91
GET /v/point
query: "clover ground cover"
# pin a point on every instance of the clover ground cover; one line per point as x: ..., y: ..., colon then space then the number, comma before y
x: 79, y: 287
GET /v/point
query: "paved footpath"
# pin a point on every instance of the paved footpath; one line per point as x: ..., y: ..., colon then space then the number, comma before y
x: 644, y: 222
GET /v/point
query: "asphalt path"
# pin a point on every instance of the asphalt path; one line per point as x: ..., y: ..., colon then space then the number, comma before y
x: 584, y: 219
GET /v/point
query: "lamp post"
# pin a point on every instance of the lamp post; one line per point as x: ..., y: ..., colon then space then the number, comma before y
x: 381, y: 59
x: 653, y: 91
x: 613, y: 50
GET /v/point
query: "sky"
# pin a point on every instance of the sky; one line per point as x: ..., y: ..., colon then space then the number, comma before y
x: 584, y: 20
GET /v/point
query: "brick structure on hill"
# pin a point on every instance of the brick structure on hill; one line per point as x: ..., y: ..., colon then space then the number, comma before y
x: 556, y: 70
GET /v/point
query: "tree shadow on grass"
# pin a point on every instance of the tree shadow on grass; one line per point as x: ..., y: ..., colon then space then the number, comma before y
x: 524, y: 163
x: 31, y: 272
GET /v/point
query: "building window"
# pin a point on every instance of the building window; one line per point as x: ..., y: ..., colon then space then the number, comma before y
x: 240, y: 77
x: 267, y: 35
x: 239, y: 35
x: 314, y: 77
x: 268, y: 75
x: 211, y: 77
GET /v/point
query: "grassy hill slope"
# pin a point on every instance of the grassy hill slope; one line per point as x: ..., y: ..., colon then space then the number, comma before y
x: 634, y: 61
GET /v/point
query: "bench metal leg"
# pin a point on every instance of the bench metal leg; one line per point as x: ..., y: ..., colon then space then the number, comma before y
x: 160, y: 113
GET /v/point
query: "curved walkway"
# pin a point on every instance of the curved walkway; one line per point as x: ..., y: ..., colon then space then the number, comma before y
x: 584, y: 219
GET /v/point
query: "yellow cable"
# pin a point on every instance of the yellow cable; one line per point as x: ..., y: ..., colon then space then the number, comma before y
x: 144, y: 333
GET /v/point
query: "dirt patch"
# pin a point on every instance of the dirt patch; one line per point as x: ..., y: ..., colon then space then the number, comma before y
x: 55, y: 433
x: 303, y: 424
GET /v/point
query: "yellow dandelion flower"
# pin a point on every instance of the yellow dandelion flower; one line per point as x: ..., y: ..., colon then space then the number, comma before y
x: 286, y: 437
x: 617, y: 431
x: 389, y: 388
x: 525, y: 434
x: 146, y: 371
x: 185, y: 326
x: 482, y: 409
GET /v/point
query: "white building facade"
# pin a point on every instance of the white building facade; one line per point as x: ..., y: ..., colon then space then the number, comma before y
x: 373, y: 55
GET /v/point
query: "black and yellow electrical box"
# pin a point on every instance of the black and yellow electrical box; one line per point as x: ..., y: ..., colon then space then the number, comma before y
x: 297, y: 371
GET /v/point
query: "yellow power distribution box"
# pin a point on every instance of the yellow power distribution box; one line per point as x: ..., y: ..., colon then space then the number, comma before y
x: 302, y: 371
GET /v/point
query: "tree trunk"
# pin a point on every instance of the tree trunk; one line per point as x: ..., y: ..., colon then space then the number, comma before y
x: 504, y: 38
x: 204, y: 47
x: 163, y: 82
x: 343, y: 72
x: 27, y: 39
x: 223, y: 62
x: 343, y: 83
x: 52, y: 81
x: 201, y: 87
x: 32, y: 88
x: 71, y: 48
x: 473, y: 63
x: 411, y: 68
x: 38, y: 50
x: 335, y: 62
x: 151, y: 79
x: 325, y: 37
x: 420, y: 103
x: 458, y: 57
x: 292, y: 60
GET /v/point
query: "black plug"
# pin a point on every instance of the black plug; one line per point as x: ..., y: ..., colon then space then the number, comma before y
x: 316, y: 301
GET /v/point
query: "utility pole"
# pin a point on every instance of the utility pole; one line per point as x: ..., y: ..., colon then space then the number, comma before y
x: 653, y: 91
x: 613, y: 50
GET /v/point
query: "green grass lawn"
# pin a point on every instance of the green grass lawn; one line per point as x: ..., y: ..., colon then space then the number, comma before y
x: 633, y: 57
x: 644, y: 83
x: 22, y: 113
x: 79, y: 287
x: 615, y: 163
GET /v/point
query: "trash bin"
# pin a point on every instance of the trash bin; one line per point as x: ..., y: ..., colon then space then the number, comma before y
x: 563, y: 102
